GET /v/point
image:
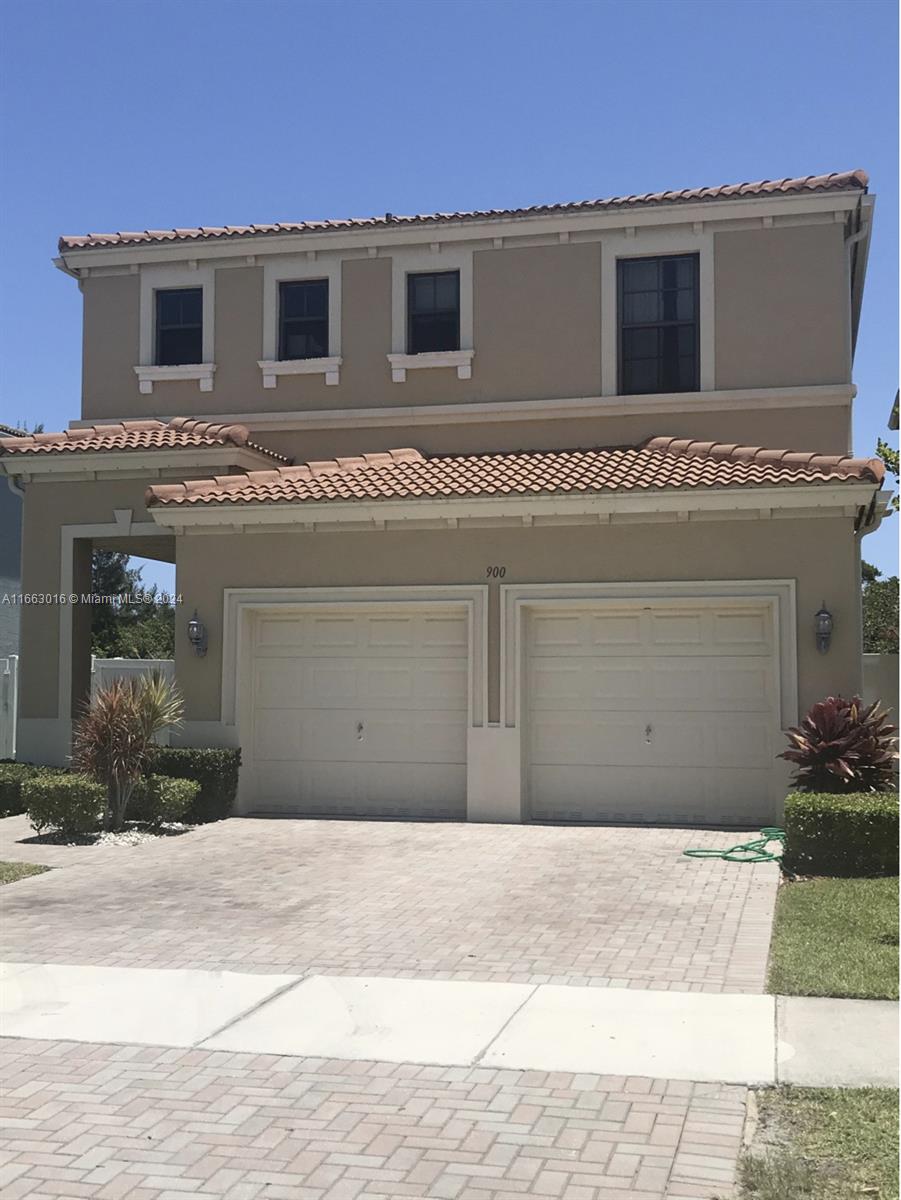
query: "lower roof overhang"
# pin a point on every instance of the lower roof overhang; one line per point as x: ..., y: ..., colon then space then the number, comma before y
x: 77, y: 466
x: 858, y: 501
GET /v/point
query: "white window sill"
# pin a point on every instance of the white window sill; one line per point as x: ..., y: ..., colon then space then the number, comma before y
x: 148, y: 376
x: 402, y: 363
x: 272, y: 368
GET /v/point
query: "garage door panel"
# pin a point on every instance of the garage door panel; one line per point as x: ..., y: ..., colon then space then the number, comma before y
x: 277, y: 735
x: 666, y: 795
x: 675, y: 630
x: 642, y: 683
x: 361, y: 712
x: 734, y: 631
x: 676, y: 739
x: 348, y: 635
x: 619, y: 704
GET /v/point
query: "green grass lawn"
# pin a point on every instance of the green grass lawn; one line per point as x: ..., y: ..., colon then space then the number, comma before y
x: 836, y: 937
x: 11, y: 871
x: 823, y: 1144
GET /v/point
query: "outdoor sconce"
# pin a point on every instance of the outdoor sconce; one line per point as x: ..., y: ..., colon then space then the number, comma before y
x: 823, y: 626
x: 197, y: 635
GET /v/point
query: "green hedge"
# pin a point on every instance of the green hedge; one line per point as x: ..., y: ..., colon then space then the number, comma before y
x: 72, y: 804
x: 215, y: 770
x: 159, y: 798
x: 853, y: 834
x: 12, y: 776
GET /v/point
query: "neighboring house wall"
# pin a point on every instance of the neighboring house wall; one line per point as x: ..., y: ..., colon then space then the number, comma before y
x: 10, y: 568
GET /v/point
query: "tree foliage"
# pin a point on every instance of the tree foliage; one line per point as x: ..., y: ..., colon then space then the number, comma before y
x: 141, y: 625
x: 889, y: 456
x: 880, y: 611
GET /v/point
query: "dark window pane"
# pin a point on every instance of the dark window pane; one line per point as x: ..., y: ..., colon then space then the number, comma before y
x: 179, y: 346
x: 433, y: 312
x: 303, y: 319
x: 305, y: 339
x: 639, y: 307
x: 446, y: 291
x: 179, y: 326
x: 640, y: 274
x: 685, y: 305
x: 641, y: 377
x: 685, y: 272
x: 641, y: 343
x: 658, y: 324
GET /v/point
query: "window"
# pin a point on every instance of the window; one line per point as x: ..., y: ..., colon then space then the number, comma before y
x: 658, y: 324
x: 179, y: 326
x: 433, y: 312
x: 303, y: 319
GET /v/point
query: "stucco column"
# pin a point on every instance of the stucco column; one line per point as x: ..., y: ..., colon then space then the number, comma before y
x: 82, y: 550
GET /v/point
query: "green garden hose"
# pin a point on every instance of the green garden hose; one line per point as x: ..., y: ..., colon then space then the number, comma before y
x: 748, y: 852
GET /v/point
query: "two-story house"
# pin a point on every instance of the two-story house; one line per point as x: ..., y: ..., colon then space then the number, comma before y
x: 529, y: 514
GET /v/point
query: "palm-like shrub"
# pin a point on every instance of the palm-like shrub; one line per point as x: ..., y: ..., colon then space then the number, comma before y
x: 843, y: 746
x: 114, y: 739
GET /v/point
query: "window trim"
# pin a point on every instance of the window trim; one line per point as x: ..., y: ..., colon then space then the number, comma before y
x: 696, y: 321
x: 298, y: 268
x: 164, y: 277
x: 656, y: 243
x: 416, y: 260
x: 411, y: 275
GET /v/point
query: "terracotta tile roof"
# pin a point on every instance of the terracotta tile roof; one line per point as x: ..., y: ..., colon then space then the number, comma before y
x: 179, y: 433
x: 660, y: 463
x: 835, y: 182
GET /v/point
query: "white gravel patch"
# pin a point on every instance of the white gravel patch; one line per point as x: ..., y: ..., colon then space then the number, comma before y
x: 132, y: 835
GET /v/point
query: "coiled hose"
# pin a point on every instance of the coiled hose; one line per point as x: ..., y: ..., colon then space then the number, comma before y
x: 748, y: 852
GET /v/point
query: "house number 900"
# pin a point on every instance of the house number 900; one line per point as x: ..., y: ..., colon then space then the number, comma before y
x: 495, y: 572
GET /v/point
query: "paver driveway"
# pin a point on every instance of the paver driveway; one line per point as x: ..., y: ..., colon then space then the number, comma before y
x: 518, y: 903
x: 132, y: 1123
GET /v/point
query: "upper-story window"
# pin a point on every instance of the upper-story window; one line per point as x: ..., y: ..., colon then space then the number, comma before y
x: 658, y: 324
x: 303, y: 319
x: 433, y: 312
x: 179, y: 326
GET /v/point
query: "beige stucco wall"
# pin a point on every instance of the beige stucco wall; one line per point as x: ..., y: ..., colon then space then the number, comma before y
x: 110, y: 341
x: 781, y: 300
x: 782, y: 307
x: 824, y: 429
x: 47, y: 507
x: 821, y: 554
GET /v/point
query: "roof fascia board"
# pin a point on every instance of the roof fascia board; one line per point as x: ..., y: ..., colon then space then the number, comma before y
x: 499, y: 411
x: 466, y: 229
x: 75, y: 463
x: 310, y: 513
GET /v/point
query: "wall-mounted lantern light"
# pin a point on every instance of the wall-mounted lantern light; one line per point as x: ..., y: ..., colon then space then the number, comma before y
x: 823, y: 626
x: 197, y: 635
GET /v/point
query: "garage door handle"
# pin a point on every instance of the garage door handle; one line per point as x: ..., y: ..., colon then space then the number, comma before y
x: 647, y: 733
x: 359, y: 731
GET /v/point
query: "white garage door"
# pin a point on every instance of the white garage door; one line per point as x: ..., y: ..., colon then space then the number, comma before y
x: 651, y: 711
x: 360, y: 713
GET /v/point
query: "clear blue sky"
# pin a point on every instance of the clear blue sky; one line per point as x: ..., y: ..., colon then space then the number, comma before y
x: 129, y: 114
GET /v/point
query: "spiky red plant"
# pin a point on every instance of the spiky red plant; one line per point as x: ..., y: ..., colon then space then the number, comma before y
x: 843, y: 746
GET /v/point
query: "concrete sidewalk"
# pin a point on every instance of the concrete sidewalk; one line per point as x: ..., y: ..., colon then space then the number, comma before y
x: 723, y: 1038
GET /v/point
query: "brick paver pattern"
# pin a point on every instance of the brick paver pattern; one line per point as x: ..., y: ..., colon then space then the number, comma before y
x: 604, y: 906
x: 133, y: 1123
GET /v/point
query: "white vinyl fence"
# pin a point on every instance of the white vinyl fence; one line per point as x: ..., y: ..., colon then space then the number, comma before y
x: 9, y: 690
x: 103, y: 670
